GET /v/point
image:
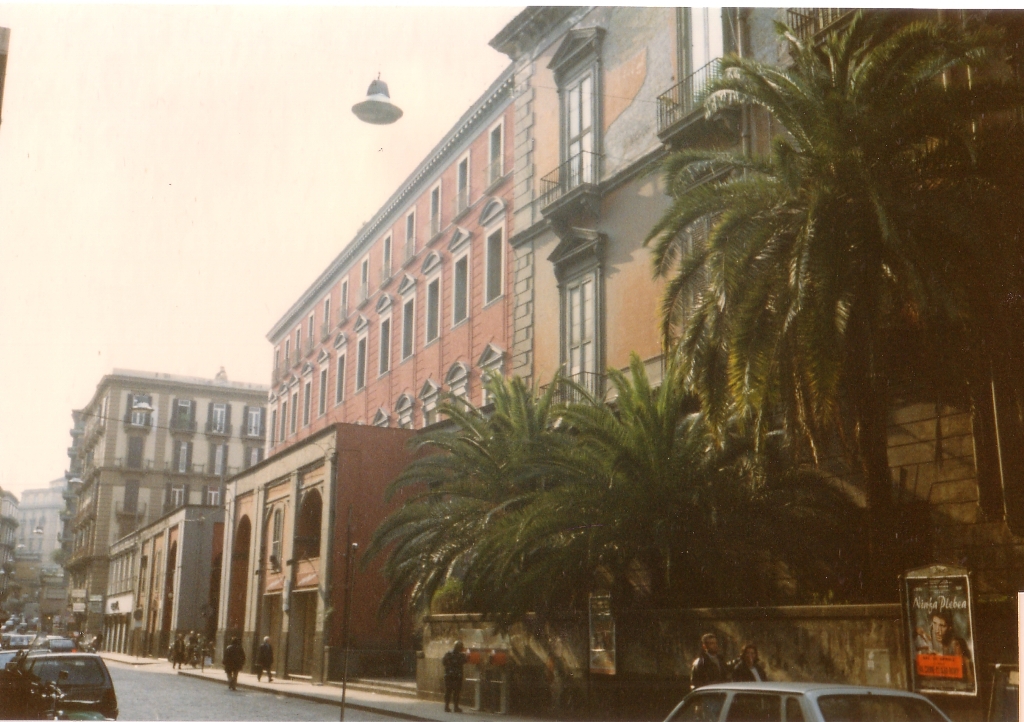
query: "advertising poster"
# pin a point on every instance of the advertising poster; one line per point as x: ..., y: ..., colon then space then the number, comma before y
x: 941, y: 631
x: 602, y: 634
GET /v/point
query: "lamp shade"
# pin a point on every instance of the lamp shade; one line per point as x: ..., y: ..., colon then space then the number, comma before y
x: 377, y: 108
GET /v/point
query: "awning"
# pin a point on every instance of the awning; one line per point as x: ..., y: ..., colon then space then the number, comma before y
x: 275, y: 585
x: 309, y: 579
x: 120, y: 604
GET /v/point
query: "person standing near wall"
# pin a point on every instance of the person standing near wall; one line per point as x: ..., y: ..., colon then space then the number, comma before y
x: 707, y: 667
x: 747, y: 667
x: 265, y: 660
x: 234, y: 660
x: 453, y: 662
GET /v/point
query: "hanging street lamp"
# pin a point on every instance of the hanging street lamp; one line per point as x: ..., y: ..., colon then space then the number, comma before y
x: 377, y: 108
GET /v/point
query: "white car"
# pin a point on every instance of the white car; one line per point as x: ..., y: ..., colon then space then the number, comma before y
x: 803, y: 702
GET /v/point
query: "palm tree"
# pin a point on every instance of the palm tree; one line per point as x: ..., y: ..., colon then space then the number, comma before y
x: 837, y: 263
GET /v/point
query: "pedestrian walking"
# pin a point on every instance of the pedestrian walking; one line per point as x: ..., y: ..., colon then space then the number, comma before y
x: 707, y: 668
x: 453, y: 662
x: 177, y: 654
x: 234, y: 660
x: 265, y: 660
x: 747, y: 667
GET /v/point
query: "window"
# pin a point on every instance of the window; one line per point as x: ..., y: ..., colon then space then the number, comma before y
x: 307, y: 391
x: 433, y: 309
x: 495, y: 170
x: 385, y: 270
x: 253, y: 456
x: 385, y: 346
x: 706, y: 38
x: 322, y: 406
x: 298, y: 343
x: 218, y: 459
x: 213, y: 496
x: 183, y: 414
x: 339, y: 382
x: 287, y: 351
x: 579, y: 136
x: 254, y: 421
x: 408, y: 327
x: 435, y: 210
x: 344, y: 299
x: 460, y: 291
x: 295, y: 412
x: 310, y: 333
x: 364, y: 280
x: 140, y: 406
x: 462, y: 186
x: 700, y: 708
x: 218, y: 418
x: 580, y: 315
x: 757, y: 708
x: 131, y: 495
x: 135, y: 447
x: 410, y: 235
x: 361, y: 364
x: 273, y: 421
x: 178, y: 496
x: 327, y: 315
x: 275, y: 540
x: 182, y: 462
x: 495, y: 253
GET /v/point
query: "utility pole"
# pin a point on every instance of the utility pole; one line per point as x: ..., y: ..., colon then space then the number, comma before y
x: 350, y: 551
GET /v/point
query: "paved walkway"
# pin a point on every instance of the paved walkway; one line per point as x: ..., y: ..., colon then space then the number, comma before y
x: 401, y: 704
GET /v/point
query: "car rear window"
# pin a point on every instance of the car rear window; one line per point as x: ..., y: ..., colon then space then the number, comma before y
x: 876, y: 708
x: 81, y: 671
x: 748, y: 707
x: 702, y: 707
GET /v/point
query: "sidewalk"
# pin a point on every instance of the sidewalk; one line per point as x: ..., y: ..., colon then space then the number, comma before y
x: 401, y: 705
x: 129, y: 659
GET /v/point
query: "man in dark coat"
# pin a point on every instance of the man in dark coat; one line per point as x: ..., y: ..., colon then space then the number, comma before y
x: 453, y: 662
x: 265, y: 660
x: 748, y: 667
x: 178, y: 652
x: 707, y: 668
x: 234, y: 660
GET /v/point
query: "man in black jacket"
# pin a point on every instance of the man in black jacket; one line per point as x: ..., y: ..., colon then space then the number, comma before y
x: 708, y: 668
x: 453, y: 662
x: 234, y: 660
x: 265, y: 660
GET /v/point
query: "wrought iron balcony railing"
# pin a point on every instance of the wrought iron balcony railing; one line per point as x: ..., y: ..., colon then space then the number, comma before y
x: 134, y: 510
x: 581, y: 169
x: 592, y: 383
x: 182, y: 423
x: 220, y: 429
x: 686, y: 96
x: 808, y: 22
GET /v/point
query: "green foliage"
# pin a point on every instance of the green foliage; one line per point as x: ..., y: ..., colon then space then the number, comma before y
x: 867, y: 252
x: 448, y: 598
x: 540, y: 504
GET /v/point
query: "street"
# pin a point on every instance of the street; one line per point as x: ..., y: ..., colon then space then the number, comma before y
x: 154, y: 692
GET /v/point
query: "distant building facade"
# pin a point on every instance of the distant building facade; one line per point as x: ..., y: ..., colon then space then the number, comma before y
x: 150, y: 443
x: 39, y: 529
x: 8, y: 538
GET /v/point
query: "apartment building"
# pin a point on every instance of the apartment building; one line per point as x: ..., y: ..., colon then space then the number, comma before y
x: 164, y: 579
x: 417, y: 302
x: 8, y: 539
x: 150, y: 443
x: 39, y: 529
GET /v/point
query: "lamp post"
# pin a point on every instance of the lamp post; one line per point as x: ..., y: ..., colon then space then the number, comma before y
x: 350, y: 552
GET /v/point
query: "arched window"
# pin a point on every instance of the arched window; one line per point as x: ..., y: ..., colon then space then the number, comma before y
x: 307, y: 536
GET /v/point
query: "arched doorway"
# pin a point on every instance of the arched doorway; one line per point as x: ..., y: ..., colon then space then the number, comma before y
x: 239, y: 580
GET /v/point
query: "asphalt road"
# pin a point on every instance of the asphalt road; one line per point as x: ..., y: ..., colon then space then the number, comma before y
x: 153, y: 692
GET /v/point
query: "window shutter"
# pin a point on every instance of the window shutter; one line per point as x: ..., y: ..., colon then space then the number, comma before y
x: 209, y: 416
x: 177, y: 457
x: 186, y: 492
x: 202, y: 500
x: 212, y: 457
x: 191, y: 411
x: 167, y: 494
x: 259, y: 424
x: 259, y: 455
x: 188, y: 456
x: 244, y: 431
x: 128, y: 411
x: 227, y: 418
x: 174, y: 412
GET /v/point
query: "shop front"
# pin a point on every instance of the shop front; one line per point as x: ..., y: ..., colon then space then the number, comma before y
x: 117, y: 622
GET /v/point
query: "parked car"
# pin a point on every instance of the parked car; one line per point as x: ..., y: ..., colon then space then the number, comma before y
x: 55, y: 643
x: 87, y: 686
x: 17, y: 641
x: 803, y: 702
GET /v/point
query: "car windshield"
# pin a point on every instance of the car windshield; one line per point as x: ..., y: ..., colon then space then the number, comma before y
x: 876, y: 708
x: 701, y: 707
x: 81, y: 670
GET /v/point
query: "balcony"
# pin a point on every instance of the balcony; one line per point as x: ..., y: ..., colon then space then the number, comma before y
x: 681, y: 108
x: 572, y: 187
x: 136, y: 511
x: 213, y: 428
x: 295, y: 357
x: 325, y: 331
x: 385, y: 272
x: 410, y: 248
x: 248, y: 432
x: 810, y: 22
x: 592, y: 383
x: 134, y: 464
x: 494, y: 172
x: 435, y: 226
x: 182, y: 425
x: 461, y: 204
x: 364, y: 293
x: 139, y: 421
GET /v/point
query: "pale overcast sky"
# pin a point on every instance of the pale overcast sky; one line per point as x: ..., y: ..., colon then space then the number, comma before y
x: 173, y: 177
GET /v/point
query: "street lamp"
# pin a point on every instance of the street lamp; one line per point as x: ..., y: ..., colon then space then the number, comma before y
x: 377, y: 108
x: 349, y: 556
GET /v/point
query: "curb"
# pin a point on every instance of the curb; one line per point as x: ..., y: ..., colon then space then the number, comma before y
x: 142, y: 663
x: 314, y: 698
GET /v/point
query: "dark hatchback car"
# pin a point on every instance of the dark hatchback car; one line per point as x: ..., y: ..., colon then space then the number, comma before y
x: 87, y: 686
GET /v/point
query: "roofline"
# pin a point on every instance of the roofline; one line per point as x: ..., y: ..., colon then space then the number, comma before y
x: 528, y: 21
x: 171, y: 380
x: 501, y: 86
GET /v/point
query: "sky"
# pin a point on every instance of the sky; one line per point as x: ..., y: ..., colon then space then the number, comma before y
x: 173, y: 177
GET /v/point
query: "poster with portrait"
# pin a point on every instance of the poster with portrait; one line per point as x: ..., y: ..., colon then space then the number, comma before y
x: 602, y: 634
x: 940, y: 629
